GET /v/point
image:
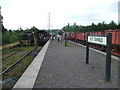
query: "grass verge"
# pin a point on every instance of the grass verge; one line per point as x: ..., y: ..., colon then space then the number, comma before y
x: 22, y: 51
x: 67, y: 45
x: 13, y: 75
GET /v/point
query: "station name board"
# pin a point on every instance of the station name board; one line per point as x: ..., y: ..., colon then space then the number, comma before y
x: 101, y: 40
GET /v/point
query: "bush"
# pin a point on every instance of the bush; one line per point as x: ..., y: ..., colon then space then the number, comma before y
x: 9, y: 37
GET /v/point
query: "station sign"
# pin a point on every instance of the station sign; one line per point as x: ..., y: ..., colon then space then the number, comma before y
x: 101, y: 40
x: 97, y: 39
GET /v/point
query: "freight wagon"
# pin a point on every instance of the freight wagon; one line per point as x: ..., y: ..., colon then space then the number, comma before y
x: 81, y: 38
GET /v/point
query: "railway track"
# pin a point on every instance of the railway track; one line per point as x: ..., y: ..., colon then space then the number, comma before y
x: 13, y: 56
x: 16, y: 62
x: 12, y: 73
x: 7, y: 53
x: 11, y: 53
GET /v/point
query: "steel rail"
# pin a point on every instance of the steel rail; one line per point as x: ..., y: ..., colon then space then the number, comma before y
x: 16, y: 62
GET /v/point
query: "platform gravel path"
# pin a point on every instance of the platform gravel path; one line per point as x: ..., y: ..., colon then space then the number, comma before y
x: 65, y: 67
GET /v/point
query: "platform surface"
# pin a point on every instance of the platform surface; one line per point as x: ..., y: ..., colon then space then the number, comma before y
x: 65, y: 67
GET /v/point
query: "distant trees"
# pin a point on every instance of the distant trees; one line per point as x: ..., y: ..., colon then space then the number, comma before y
x: 112, y: 25
x: 32, y: 29
x: 93, y: 27
x: 11, y: 36
x: 60, y: 32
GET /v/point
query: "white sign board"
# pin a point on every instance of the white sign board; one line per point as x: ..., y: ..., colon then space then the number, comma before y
x: 101, y: 40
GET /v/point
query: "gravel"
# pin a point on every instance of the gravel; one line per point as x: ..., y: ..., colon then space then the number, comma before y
x: 65, y: 67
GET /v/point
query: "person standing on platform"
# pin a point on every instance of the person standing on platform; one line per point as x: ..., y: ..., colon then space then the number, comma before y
x: 53, y: 37
x: 58, y: 37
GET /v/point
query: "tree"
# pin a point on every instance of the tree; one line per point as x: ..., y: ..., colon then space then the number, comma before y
x: 91, y: 28
x: 60, y: 32
x: 118, y: 27
x: 3, y: 29
x: 34, y: 29
x: 112, y: 25
x: 75, y: 28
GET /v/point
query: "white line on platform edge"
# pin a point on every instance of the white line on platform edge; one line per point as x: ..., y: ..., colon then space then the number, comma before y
x: 28, y: 78
x: 114, y: 57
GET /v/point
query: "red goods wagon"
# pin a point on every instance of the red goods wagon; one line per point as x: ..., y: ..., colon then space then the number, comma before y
x: 115, y: 36
x: 115, y: 40
x: 77, y: 36
x: 91, y: 33
x: 118, y: 37
x: 72, y: 36
x: 101, y: 33
x: 80, y: 36
x: 83, y: 36
x: 97, y: 33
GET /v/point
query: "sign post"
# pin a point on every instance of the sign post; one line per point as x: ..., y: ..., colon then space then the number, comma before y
x: 101, y: 40
x: 87, y: 51
x: 65, y: 39
x: 108, y: 57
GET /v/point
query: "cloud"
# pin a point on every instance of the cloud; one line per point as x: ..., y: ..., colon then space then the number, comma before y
x: 28, y: 13
x: 119, y: 12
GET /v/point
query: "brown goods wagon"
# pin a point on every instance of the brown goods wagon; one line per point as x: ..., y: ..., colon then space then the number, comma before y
x: 115, y: 36
x: 115, y: 40
x: 72, y: 35
x: 101, y: 33
x: 82, y: 36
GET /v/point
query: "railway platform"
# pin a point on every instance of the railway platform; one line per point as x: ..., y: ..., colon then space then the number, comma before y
x: 59, y: 66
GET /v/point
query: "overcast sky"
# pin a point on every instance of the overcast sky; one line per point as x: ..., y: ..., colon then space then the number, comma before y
x: 28, y: 13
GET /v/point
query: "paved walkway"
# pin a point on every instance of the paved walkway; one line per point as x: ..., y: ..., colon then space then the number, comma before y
x: 64, y: 67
